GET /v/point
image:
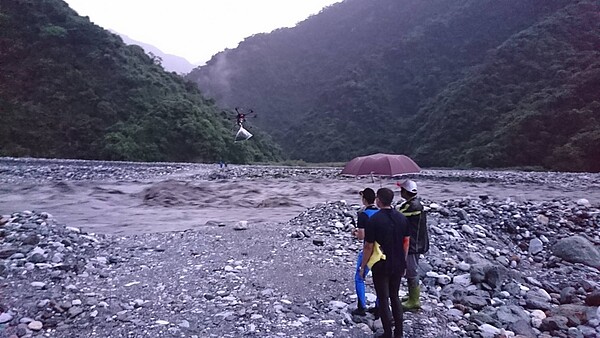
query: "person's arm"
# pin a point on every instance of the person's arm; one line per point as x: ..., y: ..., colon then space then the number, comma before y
x: 360, y: 233
x: 367, y: 252
x: 405, y: 246
x: 367, y: 247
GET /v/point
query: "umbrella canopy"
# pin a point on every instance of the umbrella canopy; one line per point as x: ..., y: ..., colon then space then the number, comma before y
x: 381, y: 165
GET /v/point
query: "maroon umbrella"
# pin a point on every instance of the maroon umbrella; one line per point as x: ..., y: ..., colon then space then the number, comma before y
x: 381, y: 165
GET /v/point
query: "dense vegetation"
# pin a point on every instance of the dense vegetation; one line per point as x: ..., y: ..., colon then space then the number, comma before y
x: 450, y: 82
x: 71, y: 89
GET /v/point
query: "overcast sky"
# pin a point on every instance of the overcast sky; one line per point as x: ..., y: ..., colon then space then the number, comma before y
x: 195, y: 29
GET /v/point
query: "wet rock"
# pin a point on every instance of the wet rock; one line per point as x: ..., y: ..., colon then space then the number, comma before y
x: 577, y: 249
x: 7, y: 252
x: 491, y: 274
x: 37, y: 258
x: 35, y: 325
x: 474, y: 302
x: 5, y: 317
x: 535, y: 246
x: 522, y: 327
x: 511, y: 314
x: 488, y: 331
x: 584, y: 202
x: 567, y: 295
x: 554, y: 323
x: 575, y: 314
x: 593, y: 299
x: 32, y: 239
x: 537, y: 317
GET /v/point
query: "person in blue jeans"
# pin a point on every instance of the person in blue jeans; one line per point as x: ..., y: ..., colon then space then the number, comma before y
x: 368, y: 210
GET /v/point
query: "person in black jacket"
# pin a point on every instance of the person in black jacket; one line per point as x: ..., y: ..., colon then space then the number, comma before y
x: 419, y: 240
x: 389, y: 228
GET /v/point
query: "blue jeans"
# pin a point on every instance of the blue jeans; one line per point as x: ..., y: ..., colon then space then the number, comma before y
x: 359, y: 283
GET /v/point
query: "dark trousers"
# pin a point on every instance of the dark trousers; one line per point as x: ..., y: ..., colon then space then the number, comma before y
x: 387, y: 287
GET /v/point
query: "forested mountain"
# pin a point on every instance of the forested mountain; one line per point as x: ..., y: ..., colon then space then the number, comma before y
x: 450, y: 82
x: 172, y: 63
x: 71, y: 89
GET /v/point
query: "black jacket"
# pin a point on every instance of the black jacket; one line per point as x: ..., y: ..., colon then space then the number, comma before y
x: 417, y: 217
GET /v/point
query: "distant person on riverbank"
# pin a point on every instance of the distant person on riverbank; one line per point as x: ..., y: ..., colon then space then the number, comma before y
x: 368, y: 209
x: 419, y: 240
x: 389, y: 228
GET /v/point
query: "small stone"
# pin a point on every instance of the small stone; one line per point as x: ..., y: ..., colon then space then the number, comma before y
x: 543, y: 220
x: 35, y: 325
x: 21, y: 331
x: 488, y: 331
x: 444, y: 279
x: 241, y: 225
x: 464, y: 279
x: 593, y: 299
x: 138, y: 303
x: 467, y: 229
x: 37, y: 258
x: 464, y: 266
x: 7, y: 252
x: 32, y: 239
x: 75, y: 311
x: 584, y: 202
x: 38, y: 285
x: 5, y: 318
x: 535, y: 246
x: 73, y: 229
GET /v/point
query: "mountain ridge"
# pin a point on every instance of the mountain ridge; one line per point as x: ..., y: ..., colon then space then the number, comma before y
x: 170, y: 62
x: 361, y: 84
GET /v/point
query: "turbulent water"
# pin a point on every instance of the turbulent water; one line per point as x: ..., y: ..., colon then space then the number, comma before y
x: 122, y: 197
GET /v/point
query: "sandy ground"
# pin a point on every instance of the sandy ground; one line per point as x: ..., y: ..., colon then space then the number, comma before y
x: 180, y: 202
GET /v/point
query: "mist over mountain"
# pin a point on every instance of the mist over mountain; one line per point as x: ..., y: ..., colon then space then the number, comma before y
x: 172, y: 63
x: 449, y: 82
x: 71, y: 89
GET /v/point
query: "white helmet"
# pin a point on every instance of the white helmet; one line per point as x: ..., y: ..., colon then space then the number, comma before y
x: 408, y: 185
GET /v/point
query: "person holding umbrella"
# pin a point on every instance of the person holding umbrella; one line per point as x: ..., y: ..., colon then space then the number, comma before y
x: 419, y: 240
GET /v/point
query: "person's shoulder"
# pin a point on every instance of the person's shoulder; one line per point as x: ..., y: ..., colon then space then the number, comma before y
x: 376, y: 213
x: 417, y: 204
x: 399, y: 214
x: 371, y: 209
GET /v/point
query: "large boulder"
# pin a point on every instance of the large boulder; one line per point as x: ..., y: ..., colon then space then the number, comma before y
x: 577, y: 249
x: 575, y: 314
x: 492, y: 274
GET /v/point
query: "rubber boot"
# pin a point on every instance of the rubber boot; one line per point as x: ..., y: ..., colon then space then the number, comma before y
x: 414, y: 295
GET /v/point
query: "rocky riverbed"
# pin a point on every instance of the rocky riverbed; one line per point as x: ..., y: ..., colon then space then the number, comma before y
x: 499, y: 266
